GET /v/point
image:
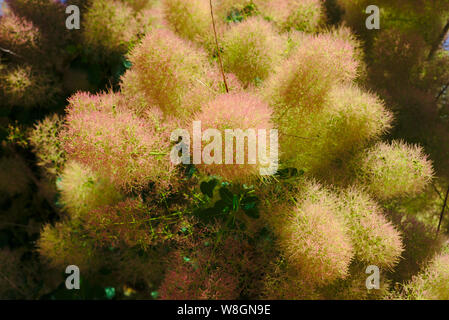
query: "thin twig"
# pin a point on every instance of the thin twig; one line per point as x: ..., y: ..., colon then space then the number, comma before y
x: 436, y: 190
x: 218, y: 48
x: 441, y: 92
x: 12, y: 284
x: 10, y: 52
x: 442, y: 210
x: 438, y: 42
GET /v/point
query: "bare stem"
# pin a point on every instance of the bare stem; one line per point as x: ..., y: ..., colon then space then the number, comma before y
x: 442, y: 211
x: 438, y: 42
x: 442, y: 91
x: 218, y: 48
x: 10, y: 52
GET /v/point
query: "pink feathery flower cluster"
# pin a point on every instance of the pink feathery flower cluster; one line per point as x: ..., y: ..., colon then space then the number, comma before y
x: 252, y: 49
x: 18, y: 35
x: 204, y: 269
x: 235, y: 111
x: 168, y: 72
x: 190, y: 277
x: 124, y: 224
x: 306, y: 77
x: 287, y: 15
x: 115, y: 142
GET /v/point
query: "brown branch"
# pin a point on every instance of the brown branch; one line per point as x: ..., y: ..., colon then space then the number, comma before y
x: 10, y: 52
x: 437, y: 43
x: 441, y: 92
x: 436, y: 190
x: 442, y: 210
x: 12, y: 284
x: 218, y: 48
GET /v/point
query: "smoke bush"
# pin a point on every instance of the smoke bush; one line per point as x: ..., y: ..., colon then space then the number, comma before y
x: 186, y: 281
x: 356, y: 116
x: 131, y: 219
x: 110, y: 27
x: 375, y: 240
x: 395, y: 169
x: 251, y: 50
x: 190, y: 19
x: 302, y: 83
x: 313, y: 236
x: 68, y: 242
x: 236, y: 111
x: 125, y: 224
x: 139, y: 5
x: 83, y: 191
x: 326, y: 140
x: 48, y: 16
x: 24, y: 86
x: 19, y: 35
x: 115, y: 143
x: 354, y: 286
x: 198, y: 271
x: 432, y: 283
x: 169, y: 73
x: 46, y: 145
x: 287, y: 283
x: 60, y: 246
x: 301, y: 15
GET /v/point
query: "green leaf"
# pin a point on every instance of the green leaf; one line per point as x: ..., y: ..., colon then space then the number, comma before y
x: 249, y: 206
x: 249, y: 203
x: 226, y: 195
x: 207, y: 188
x: 235, y: 203
x: 110, y: 292
x: 289, y: 173
x: 127, y: 64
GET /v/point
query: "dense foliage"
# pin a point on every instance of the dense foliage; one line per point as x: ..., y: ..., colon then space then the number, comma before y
x: 87, y: 177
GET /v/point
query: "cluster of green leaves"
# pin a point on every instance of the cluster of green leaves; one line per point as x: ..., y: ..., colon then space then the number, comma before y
x: 238, y: 15
x: 223, y: 201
